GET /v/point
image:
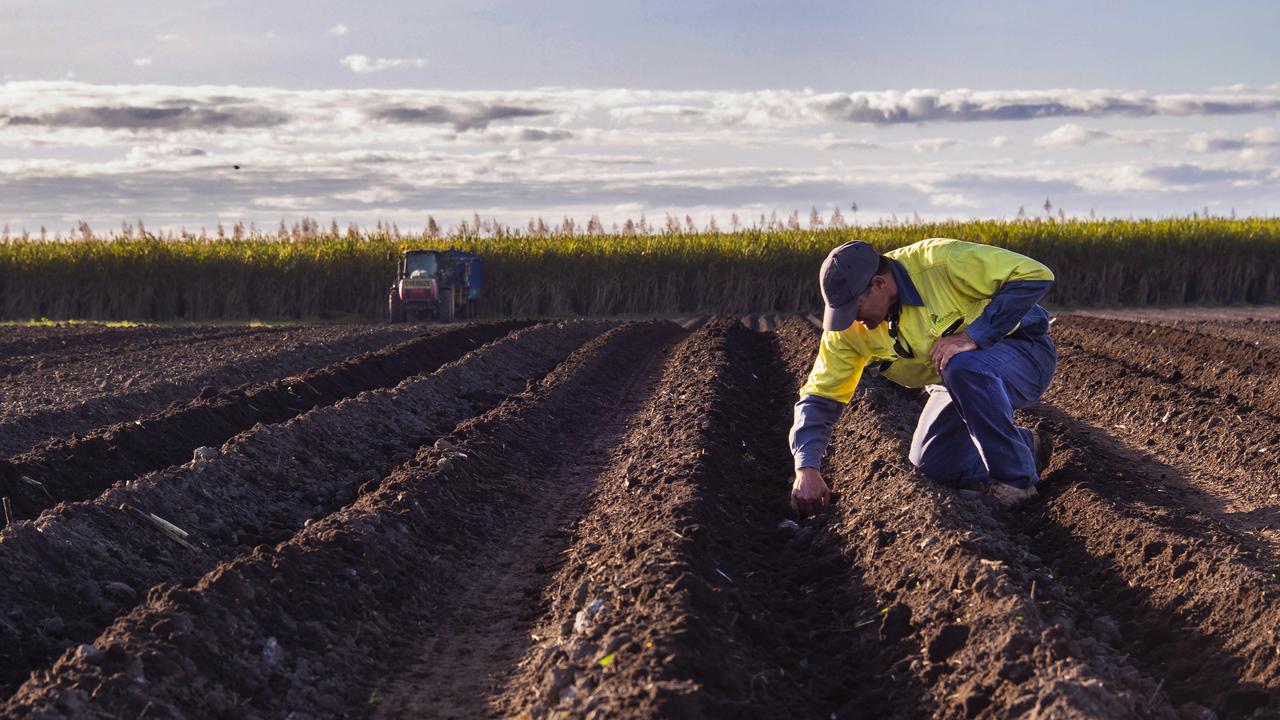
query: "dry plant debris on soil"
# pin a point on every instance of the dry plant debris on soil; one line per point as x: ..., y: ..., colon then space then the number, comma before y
x: 589, y: 519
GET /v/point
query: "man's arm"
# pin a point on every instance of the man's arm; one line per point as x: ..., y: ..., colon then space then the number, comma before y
x: 835, y: 375
x: 815, y: 416
x: 831, y: 383
x: 1014, y: 282
x: 1011, y: 303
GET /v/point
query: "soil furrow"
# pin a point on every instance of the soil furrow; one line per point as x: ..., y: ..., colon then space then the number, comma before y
x: 79, y: 565
x: 80, y: 468
x: 1190, y: 599
x: 1258, y: 326
x: 1241, y: 373
x: 465, y: 652
x: 682, y: 596
x: 141, y: 379
x: 1195, y: 490
x: 955, y: 582
x: 25, y: 346
x: 309, y: 628
x: 1223, y: 447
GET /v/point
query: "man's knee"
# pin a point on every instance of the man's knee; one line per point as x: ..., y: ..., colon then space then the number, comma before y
x: 943, y: 471
x: 916, y: 454
x: 961, y: 365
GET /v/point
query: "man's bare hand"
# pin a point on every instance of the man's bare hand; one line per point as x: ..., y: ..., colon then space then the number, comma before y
x: 945, y: 348
x: 809, y: 493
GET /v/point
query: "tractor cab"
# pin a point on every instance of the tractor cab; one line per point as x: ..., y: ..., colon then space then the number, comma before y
x: 437, y: 284
x: 417, y: 264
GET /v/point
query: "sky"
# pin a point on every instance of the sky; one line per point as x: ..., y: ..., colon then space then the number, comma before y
x: 204, y: 112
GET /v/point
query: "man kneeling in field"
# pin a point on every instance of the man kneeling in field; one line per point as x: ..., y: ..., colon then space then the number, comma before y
x: 958, y: 319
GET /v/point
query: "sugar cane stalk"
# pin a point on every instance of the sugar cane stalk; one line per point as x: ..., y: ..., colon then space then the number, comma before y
x: 172, y: 531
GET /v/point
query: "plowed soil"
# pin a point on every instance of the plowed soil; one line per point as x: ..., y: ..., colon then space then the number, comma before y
x: 591, y: 520
x: 66, y: 379
x: 82, y: 466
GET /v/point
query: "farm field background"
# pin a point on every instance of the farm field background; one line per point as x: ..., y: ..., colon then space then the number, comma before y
x: 534, y: 518
x: 310, y: 273
x: 349, y: 369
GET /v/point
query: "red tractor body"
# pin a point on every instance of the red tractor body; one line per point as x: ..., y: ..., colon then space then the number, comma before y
x: 436, y: 284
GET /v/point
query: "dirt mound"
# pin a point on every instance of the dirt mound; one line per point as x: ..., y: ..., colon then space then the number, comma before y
x: 55, y: 381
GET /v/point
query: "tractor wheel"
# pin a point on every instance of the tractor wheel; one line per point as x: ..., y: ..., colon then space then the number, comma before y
x: 395, y: 309
x: 446, y: 306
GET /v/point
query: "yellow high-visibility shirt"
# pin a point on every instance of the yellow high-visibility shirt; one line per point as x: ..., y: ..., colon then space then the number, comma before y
x: 954, y: 280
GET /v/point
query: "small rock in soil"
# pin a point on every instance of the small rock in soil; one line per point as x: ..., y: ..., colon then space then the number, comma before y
x: 896, y: 624
x: 586, y: 616
x: 557, y: 679
x: 804, y: 535
x: 948, y: 641
x: 1194, y: 711
x: 119, y: 591
x: 89, y: 654
x: 271, y: 653
x: 1104, y: 626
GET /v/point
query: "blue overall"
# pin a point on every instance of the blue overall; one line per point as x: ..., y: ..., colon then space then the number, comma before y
x: 966, y: 436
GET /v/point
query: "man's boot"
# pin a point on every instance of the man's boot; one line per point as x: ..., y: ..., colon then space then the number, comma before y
x: 1007, y: 496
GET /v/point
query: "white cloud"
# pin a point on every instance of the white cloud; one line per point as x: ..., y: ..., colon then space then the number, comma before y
x: 339, y: 29
x: 142, y: 61
x: 153, y: 153
x: 1219, y: 141
x: 952, y: 200
x: 295, y: 203
x: 1076, y: 135
x: 913, y: 106
x: 1205, y: 142
x: 523, y: 134
x: 832, y: 141
x: 357, y: 154
x: 1071, y: 135
x: 372, y: 196
x: 930, y: 145
x: 363, y: 64
x: 657, y: 112
x: 172, y: 38
x: 1232, y: 88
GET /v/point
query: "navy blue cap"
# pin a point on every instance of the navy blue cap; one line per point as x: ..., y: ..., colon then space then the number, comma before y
x: 846, y: 274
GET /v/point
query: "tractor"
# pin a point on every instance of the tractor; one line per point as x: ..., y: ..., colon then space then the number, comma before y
x: 438, y: 284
